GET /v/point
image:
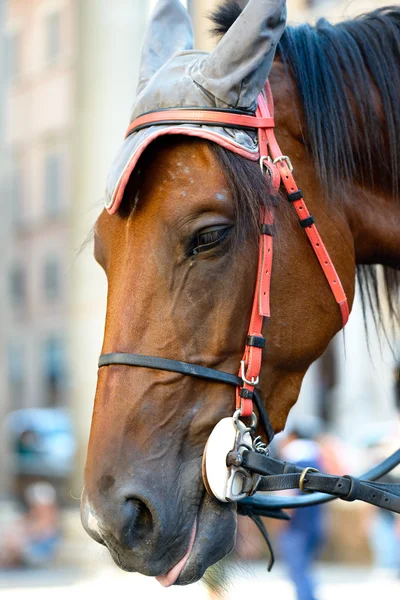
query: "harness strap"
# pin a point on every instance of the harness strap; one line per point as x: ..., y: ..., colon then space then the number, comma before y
x: 295, y: 195
x: 166, y: 364
x: 278, y: 475
x: 223, y: 118
x: 178, y: 366
x: 252, y: 358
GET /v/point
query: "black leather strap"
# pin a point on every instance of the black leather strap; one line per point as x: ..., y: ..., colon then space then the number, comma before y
x: 263, y: 416
x: 166, y: 364
x: 177, y: 366
x: 278, y: 475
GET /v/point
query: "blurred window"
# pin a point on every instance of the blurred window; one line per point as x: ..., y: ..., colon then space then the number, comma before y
x: 17, y: 285
x: 53, y: 370
x: 13, y: 55
x: 16, y: 375
x: 51, y: 278
x: 52, y: 184
x: 53, y: 36
x: 15, y: 196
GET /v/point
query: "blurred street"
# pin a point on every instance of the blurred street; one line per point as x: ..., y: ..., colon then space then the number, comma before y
x: 246, y: 579
x: 83, y: 569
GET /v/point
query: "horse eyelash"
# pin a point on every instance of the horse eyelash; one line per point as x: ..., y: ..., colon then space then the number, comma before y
x: 195, y: 247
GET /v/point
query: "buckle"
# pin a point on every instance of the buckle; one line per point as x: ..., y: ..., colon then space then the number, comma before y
x: 224, y: 475
x: 286, y: 159
x: 303, y: 479
x: 254, y: 380
x: 241, y: 483
x: 265, y: 168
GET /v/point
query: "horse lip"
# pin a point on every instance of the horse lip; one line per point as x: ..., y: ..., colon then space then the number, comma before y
x: 170, y: 578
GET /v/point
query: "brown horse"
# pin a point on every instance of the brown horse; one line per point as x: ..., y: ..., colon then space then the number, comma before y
x: 180, y: 255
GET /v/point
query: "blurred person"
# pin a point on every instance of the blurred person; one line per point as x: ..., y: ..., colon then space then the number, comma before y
x: 397, y: 529
x: 335, y: 456
x: 27, y: 443
x: 384, y: 525
x: 302, y: 537
x: 34, y: 539
x: 26, y: 452
x: 383, y: 537
x: 397, y: 400
x: 397, y: 387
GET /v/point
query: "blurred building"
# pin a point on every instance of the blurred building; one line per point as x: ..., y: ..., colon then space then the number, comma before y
x: 3, y: 236
x: 39, y: 38
x: 110, y: 36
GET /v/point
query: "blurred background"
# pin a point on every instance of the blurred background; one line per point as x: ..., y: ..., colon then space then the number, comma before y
x: 69, y: 71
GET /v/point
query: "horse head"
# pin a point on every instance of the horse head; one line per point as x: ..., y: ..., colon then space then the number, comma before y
x: 178, y: 241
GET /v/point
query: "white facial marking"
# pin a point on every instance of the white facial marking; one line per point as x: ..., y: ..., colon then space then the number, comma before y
x: 183, y: 193
x: 93, y: 523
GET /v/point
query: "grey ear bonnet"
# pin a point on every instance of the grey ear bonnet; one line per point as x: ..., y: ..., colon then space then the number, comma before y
x: 173, y: 75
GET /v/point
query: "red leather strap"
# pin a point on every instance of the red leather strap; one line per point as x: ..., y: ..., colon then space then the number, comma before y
x: 252, y: 359
x: 303, y: 213
x: 211, y: 117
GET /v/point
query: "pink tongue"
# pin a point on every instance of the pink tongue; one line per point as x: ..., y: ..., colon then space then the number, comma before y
x: 172, y: 575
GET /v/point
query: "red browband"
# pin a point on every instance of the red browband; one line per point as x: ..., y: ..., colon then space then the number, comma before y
x: 280, y: 169
x: 200, y: 117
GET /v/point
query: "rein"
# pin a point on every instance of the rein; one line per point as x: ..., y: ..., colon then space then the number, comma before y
x: 245, y: 466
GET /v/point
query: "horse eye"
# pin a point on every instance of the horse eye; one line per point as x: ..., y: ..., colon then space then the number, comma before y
x: 207, y: 239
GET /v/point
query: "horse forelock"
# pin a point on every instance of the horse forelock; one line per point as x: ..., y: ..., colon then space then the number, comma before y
x: 249, y: 188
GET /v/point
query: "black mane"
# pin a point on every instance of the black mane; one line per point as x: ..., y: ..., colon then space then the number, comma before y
x: 347, y: 77
x: 348, y: 80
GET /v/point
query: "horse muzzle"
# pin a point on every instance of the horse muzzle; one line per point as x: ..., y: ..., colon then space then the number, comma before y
x: 161, y: 537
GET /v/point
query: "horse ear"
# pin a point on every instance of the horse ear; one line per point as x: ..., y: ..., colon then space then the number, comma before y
x: 236, y: 71
x: 168, y: 32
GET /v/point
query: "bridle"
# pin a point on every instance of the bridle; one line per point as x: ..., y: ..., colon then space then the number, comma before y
x: 249, y: 468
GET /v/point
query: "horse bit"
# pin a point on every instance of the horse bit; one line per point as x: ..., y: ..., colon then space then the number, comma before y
x: 236, y: 464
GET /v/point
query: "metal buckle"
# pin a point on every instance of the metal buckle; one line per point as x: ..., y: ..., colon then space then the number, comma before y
x: 232, y: 495
x: 286, y: 159
x: 302, y: 479
x: 254, y: 381
x: 241, y: 483
x: 265, y: 167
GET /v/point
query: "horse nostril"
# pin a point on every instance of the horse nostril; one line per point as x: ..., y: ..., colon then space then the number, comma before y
x: 139, y: 524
